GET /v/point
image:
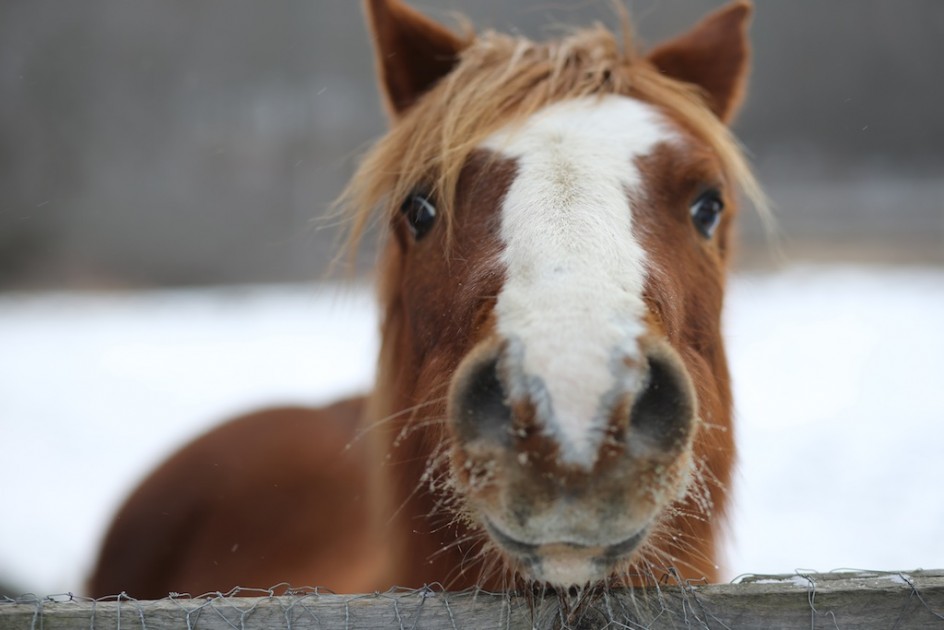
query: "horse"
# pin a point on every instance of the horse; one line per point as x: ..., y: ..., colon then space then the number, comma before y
x: 552, y: 403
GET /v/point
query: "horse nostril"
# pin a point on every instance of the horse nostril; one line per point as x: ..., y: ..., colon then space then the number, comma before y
x: 479, y: 404
x: 663, y: 414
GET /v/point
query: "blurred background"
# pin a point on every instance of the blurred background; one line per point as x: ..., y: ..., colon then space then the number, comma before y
x: 166, y: 144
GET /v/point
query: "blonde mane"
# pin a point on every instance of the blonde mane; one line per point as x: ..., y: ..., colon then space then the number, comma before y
x: 499, y: 80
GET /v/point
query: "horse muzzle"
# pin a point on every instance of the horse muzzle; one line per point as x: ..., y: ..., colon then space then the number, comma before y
x: 561, y: 522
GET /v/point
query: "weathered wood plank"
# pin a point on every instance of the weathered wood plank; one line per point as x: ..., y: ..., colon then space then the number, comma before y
x: 817, y: 600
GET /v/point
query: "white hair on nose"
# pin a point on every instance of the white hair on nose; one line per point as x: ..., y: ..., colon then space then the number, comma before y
x: 571, y: 307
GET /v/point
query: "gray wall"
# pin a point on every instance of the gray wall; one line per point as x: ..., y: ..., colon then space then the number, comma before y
x: 181, y: 142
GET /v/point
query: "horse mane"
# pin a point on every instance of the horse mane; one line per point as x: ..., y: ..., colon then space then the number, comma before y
x: 500, y: 79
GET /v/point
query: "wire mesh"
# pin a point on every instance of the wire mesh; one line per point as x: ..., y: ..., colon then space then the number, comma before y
x: 802, y: 600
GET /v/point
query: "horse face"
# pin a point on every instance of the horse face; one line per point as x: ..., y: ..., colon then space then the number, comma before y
x: 570, y: 315
x: 583, y: 295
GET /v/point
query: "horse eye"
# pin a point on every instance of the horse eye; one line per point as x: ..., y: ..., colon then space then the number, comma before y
x: 706, y: 212
x: 420, y: 214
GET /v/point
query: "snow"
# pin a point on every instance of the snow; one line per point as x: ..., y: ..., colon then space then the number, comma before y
x: 840, y: 416
x: 837, y: 377
x: 95, y: 390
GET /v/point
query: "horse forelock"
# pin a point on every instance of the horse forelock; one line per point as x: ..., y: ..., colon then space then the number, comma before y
x: 502, y: 80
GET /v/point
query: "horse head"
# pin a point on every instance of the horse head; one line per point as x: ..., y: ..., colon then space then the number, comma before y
x: 559, y: 223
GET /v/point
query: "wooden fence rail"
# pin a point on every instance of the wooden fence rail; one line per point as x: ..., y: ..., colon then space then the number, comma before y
x: 902, y: 600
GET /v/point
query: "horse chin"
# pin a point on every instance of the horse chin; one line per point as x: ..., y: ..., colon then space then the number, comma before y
x: 564, y: 565
x: 576, y: 561
x: 567, y: 569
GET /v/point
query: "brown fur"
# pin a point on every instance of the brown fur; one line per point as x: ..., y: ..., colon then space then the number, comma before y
x: 395, y: 509
x: 251, y: 503
x: 693, y: 325
x: 413, y: 52
x: 711, y: 58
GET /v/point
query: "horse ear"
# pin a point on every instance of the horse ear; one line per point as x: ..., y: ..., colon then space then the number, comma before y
x: 714, y: 55
x: 413, y: 52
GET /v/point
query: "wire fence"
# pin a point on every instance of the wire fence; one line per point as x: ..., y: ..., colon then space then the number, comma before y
x: 865, y: 600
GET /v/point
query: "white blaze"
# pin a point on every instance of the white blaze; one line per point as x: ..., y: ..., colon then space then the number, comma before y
x: 571, y: 306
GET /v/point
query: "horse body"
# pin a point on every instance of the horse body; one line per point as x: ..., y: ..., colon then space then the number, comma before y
x: 552, y: 400
x: 267, y: 498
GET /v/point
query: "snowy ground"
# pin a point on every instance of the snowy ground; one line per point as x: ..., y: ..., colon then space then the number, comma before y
x: 838, y: 386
